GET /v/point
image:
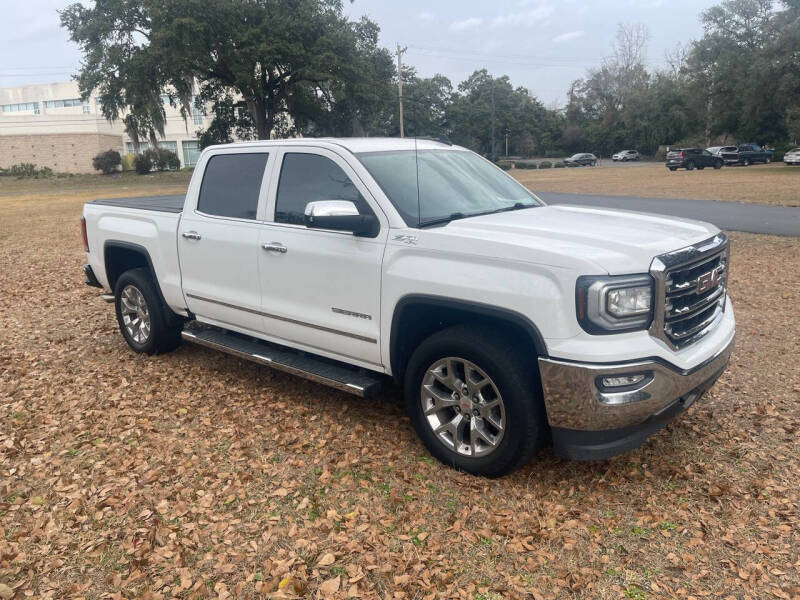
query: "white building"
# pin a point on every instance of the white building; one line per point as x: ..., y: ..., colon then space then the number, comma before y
x: 49, y: 125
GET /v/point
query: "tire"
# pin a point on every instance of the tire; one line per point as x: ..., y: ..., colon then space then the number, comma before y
x: 767, y: 160
x: 136, y: 298
x: 690, y: 166
x: 717, y: 164
x: 701, y: 167
x: 673, y: 168
x: 746, y: 162
x: 512, y: 378
x: 594, y: 163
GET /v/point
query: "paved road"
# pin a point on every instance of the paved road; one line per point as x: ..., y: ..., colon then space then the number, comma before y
x: 730, y: 216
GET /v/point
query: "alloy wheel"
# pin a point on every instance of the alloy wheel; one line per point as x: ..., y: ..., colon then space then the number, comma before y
x: 463, y: 407
x: 135, y: 314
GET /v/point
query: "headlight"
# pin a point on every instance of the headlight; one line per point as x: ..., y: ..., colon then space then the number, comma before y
x: 614, y: 304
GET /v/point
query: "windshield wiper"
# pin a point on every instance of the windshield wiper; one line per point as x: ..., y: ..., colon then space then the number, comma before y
x: 447, y: 219
x: 460, y: 215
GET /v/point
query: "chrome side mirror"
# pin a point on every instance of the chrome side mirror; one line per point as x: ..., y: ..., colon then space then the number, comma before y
x: 340, y: 215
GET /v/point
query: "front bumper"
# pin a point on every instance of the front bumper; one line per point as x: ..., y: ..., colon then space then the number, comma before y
x: 589, y: 421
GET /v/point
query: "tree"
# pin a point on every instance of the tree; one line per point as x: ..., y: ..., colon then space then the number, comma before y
x: 300, y: 58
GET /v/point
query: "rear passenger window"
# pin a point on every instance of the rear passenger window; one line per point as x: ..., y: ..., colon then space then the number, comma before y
x: 309, y: 177
x: 231, y: 185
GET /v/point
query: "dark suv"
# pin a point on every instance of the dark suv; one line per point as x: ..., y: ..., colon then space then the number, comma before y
x: 689, y: 158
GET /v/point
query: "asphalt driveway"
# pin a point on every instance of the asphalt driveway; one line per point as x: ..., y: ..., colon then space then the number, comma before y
x: 730, y: 216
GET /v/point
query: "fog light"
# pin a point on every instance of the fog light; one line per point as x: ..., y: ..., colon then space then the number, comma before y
x: 621, y: 380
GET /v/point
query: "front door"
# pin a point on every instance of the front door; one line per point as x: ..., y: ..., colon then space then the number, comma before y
x: 218, y: 242
x: 320, y: 289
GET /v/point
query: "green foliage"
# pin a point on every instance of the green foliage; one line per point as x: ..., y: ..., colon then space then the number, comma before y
x: 108, y: 162
x: 298, y: 58
x: 127, y: 161
x: 506, y: 166
x: 143, y: 163
x: 25, y: 170
x: 545, y: 164
x: 559, y: 165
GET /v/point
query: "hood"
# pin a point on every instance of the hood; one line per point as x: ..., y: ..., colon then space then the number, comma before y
x: 615, y: 241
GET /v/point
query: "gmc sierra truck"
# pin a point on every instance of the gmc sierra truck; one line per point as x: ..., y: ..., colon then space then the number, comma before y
x: 508, y: 323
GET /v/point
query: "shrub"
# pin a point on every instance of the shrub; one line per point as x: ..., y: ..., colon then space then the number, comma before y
x: 108, y: 162
x: 26, y: 170
x: 545, y: 164
x: 525, y: 165
x: 128, y: 161
x: 143, y: 163
x: 164, y: 159
x: 559, y: 165
x: 505, y: 165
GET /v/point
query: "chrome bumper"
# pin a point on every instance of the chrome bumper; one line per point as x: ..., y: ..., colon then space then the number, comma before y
x: 576, y: 400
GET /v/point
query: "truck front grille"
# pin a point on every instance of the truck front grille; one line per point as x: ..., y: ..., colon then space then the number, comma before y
x: 690, y: 291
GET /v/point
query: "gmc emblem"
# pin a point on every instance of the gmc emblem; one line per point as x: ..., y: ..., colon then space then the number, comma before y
x: 706, y: 281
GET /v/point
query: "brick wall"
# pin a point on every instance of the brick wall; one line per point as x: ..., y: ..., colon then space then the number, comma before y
x: 62, y: 152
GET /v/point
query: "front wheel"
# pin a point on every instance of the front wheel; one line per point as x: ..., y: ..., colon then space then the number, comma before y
x: 142, y: 317
x: 673, y: 168
x: 690, y: 166
x: 746, y: 162
x: 474, y: 399
x: 717, y: 164
x: 767, y: 160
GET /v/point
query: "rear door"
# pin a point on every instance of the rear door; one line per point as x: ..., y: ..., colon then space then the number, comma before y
x: 320, y: 289
x: 218, y: 240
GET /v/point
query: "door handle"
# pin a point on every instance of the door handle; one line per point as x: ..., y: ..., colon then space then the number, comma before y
x: 274, y: 247
x: 191, y: 235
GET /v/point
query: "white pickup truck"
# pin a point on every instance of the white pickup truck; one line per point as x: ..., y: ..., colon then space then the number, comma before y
x: 509, y: 323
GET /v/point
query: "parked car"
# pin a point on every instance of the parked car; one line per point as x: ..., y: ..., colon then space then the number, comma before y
x: 692, y: 158
x: 508, y: 322
x: 746, y: 154
x: 792, y: 157
x: 625, y: 156
x: 581, y: 160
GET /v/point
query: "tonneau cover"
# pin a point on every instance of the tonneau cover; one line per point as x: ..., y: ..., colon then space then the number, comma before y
x: 171, y: 204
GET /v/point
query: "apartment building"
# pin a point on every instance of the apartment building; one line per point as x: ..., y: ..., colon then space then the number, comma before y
x: 50, y: 126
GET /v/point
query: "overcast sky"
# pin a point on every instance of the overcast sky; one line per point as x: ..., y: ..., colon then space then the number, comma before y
x: 541, y: 44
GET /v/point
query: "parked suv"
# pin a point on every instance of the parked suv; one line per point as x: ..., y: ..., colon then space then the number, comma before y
x: 581, y: 159
x: 508, y: 323
x: 691, y: 158
x: 625, y: 156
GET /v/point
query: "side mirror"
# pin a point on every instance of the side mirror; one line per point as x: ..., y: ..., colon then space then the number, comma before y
x: 340, y: 215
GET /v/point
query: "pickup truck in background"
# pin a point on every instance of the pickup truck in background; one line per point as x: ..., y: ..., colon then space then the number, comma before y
x: 746, y: 155
x: 509, y: 323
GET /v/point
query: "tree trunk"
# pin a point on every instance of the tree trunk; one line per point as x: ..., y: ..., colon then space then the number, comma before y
x: 264, y: 121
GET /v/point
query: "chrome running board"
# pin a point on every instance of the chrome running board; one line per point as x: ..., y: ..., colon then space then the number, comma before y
x: 353, y: 380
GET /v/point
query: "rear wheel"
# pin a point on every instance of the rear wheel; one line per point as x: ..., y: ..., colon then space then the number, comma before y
x: 690, y: 166
x: 768, y: 160
x: 142, y: 317
x: 746, y: 162
x: 474, y: 399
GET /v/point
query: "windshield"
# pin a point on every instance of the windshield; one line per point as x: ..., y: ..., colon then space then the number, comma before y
x: 452, y: 184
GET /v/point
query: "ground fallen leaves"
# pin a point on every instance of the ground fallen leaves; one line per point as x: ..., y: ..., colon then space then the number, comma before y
x: 197, y: 475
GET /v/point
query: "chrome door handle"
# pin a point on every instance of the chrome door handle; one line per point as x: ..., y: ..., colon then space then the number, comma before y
x: 274, y: 247
x: 191, y: 235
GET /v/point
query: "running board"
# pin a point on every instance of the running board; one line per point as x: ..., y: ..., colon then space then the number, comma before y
x: 321, y: 370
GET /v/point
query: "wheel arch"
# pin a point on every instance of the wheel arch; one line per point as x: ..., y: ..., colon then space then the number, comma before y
x: 417, y: 316
x: 120, y: 256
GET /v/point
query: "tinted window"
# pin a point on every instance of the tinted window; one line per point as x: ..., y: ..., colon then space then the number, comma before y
x: 309, y: 177
x: 231, y: 184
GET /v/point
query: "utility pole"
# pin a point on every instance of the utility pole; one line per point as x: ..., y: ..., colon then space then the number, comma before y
x: 494, y: 153
x: 400, y: 52
x: 507, y: 132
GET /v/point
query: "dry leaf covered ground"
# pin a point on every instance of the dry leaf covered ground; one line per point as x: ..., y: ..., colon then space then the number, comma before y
x: 197, y: 475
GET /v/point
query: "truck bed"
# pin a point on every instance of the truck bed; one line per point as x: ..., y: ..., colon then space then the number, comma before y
x: 171, y: 204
